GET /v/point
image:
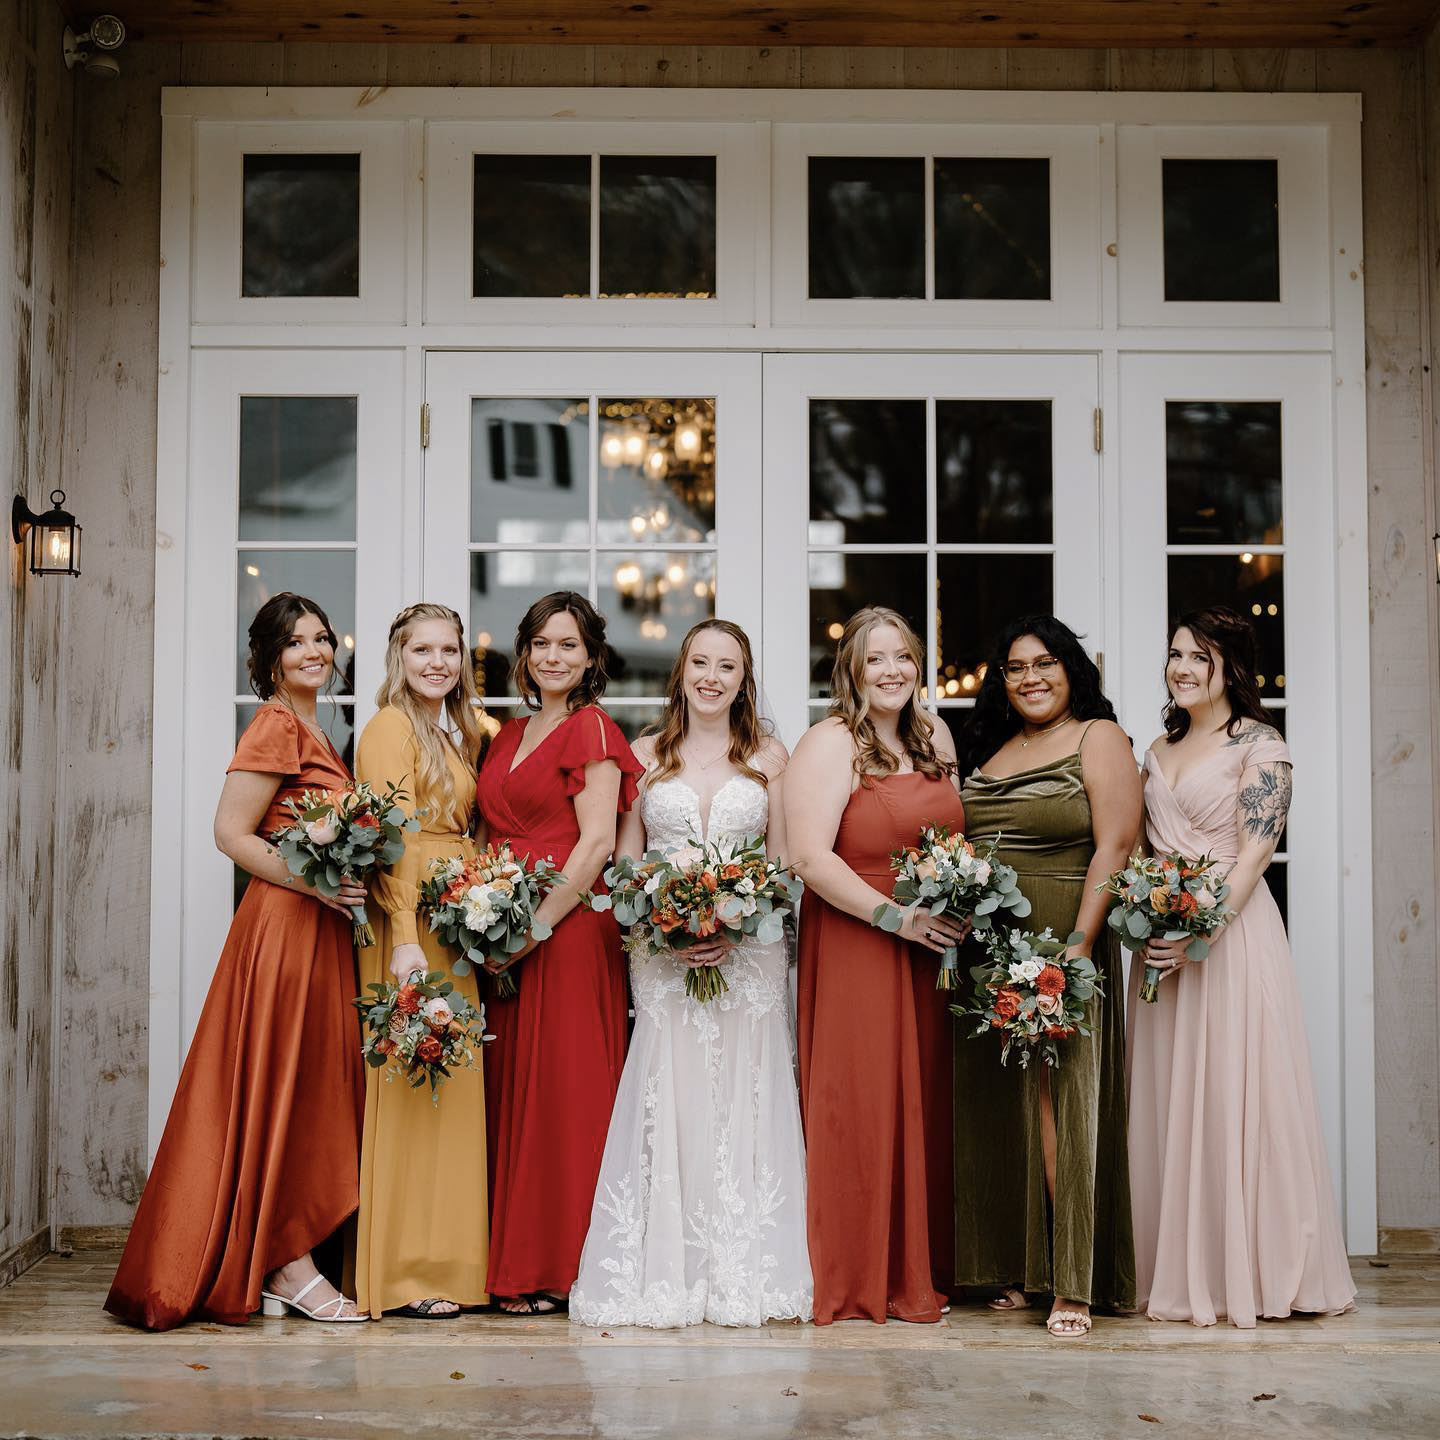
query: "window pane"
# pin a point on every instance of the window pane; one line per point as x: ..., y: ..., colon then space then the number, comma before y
x: 297, y: 467
x: 657, y: 471
x: 867, y: 227
x: 503, y: 585
x: 650, y: 600
x: 1254, y: 587
x: 1222, y: 230
x: 995, y: 461
x: 867, y: 471
x: 518, y: 200
x: 841, y: 584
x: 633, y: 720
x: 529, y: 470
x: 301, y: 229
x: 992, y: 229
x: 977, y: 595
x: 657, y: 226
x: 1222, y: 472
x: 325, y: 576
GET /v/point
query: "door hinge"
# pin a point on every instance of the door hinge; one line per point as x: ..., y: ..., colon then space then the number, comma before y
x: 1099, y: 430
x: 425, y: 426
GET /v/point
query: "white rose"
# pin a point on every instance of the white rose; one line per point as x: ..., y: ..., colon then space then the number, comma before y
x: 654, y: 883
x: 745, y: 887
x: 751, y: 905
x: 437, y: 1011
x: 511, y: 870
x: 982, y: 872
x: 1048, y: 1004
x: 1204, y: 899
x: 1025, y: 970
x: 685, y: 856
x: 323, y: 832
x: 479, y: 917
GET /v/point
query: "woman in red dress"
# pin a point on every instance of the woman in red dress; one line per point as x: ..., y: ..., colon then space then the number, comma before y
x: 260, y: 1160
x: 552, y: 786
x: 874, y: 1033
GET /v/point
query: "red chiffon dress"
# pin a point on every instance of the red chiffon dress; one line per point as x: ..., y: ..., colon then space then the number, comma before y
x: 875, y: 1082
x: 260, y: 1160
x: 559, y: 1048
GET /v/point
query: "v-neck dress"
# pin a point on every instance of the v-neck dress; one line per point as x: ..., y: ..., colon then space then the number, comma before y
x: 559, y: 1048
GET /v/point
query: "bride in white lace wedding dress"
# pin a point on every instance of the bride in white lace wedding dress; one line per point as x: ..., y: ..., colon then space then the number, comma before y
x: 700, y: 1209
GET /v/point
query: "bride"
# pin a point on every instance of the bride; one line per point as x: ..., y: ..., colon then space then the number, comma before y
x: 700, y: 1209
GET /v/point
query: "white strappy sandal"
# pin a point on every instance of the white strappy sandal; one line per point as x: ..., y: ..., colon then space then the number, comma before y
x: 273, y: 1305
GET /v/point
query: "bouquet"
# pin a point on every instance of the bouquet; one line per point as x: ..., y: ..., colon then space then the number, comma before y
x: 485, y: 907
x: 1032, y: 992
x: 697, y: 893
x: 421, y: 1030
x: 342, y: 835
x: 1166, y: 897
x: 944, y: 873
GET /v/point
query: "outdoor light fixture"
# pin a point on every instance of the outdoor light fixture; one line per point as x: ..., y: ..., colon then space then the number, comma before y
x: 54, y: 536
x: 91, y: 49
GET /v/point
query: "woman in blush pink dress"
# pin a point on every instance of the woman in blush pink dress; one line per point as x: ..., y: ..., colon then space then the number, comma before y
x: 1233, y: 1210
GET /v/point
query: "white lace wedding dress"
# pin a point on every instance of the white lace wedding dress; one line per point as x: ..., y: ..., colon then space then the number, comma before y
x: 700, y: 1209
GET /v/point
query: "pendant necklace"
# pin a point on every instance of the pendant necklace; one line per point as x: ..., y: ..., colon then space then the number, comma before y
x: 1036, y: 734
x: 706, y: 764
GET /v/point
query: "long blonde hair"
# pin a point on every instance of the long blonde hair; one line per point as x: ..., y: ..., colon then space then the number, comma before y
x: 433, y: 784
x: 848, y: 702
x: 748, y: 732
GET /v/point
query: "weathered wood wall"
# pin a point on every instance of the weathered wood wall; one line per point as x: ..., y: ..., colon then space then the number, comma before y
x: 36, y: 135
x: 102, y: 1097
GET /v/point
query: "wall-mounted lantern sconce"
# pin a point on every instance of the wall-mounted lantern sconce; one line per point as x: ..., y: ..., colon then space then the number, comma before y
x: 54, y: 536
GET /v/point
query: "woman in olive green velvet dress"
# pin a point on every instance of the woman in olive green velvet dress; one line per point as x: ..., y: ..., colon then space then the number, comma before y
x: 1042, y: 1198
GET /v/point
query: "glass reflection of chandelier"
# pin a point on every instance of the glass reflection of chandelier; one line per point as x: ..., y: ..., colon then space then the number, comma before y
x: 672, y: 444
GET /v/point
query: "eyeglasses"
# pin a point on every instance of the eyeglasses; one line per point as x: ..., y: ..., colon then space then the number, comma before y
x: 1016, y: 670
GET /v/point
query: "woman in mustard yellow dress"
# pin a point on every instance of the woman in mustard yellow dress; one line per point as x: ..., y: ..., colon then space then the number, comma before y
x: 423, y: 1235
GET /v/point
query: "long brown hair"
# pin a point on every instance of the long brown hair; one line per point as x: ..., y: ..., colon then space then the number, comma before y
x: 1219, y: 631
x: 748, y: 732
x: 270, y: 633
x: 848, y: 702
x: 591, y: 624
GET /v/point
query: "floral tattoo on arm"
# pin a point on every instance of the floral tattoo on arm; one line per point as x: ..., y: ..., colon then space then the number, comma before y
x: 1265, y: 804
x: 1251, y: 730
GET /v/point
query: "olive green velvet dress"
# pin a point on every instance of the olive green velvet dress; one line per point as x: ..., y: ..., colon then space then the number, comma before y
x: 1005, y: 1233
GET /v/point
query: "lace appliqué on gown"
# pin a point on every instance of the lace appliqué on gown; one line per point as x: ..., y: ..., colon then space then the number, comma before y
x: 700, y: 1209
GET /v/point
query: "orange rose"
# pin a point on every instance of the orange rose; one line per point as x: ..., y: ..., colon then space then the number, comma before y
x: 708, y: 880
x: 1160, y: 900
x: 407, y: 1002
x: 1007, y: 1003
x: 384, y: 1046
x: 733, y: 872
x: 925, y: 870
x: 1051, y: 980
x: 429, y: 1050
x: 365, y: 821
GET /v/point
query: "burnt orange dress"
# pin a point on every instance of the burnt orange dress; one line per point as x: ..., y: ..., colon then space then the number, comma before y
x: 260, y: 1160
x: 875, y: 1084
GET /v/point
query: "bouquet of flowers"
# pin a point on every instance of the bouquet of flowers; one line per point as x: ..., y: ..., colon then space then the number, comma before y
x: 485, y: 907
x: 1167, y: 897
x: 343, y: 835
x: 421, y: 1031
x: 1032, y: 992
x: 943, y: 873
x: 697, y: 893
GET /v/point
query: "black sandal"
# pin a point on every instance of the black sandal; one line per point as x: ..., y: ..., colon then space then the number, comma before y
x: 425, y: 1309
x: 559, y: 1304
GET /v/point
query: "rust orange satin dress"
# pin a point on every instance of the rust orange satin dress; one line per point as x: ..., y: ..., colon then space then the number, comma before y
x: 554, y: 1066
x: 875, y: 1082
x: 260, y: 1159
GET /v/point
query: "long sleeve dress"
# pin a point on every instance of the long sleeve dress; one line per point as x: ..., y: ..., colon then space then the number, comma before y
x: 559, y: 1047
x: 260, y: 1158
x: 423, y: 1228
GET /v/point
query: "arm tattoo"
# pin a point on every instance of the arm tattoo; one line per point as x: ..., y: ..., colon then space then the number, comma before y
x: 1251, y: 730
x: 1265, y: 804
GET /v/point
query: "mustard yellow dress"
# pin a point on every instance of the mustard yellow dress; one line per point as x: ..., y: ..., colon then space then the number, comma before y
x: 424, y: 1220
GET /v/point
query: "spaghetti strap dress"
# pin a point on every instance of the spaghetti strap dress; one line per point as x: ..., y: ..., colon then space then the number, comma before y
x: 875, y: 1044
x: 260, y: 1159
x: 555, y: 1063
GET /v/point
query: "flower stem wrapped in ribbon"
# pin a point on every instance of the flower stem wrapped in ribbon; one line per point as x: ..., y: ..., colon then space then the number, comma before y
x: 942, y: 872
x: 1167, y: 897
x: 421, y: 1030
x: 1032, y: 991
x: 340, y: 835
x: 485, y: 907
x: 673, y: 901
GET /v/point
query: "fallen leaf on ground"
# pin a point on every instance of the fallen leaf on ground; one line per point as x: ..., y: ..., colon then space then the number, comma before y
x: 1380, y: 1264
x: 189, y: 1365
x: 1149, y: 1419
x: 1263, y: 1395
x: 457, y: 1374
x: 788, y: 1391
x: 606, y: 1335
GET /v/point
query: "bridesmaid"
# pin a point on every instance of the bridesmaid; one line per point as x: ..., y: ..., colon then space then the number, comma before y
x: 874, y: 1036
x: 553, y: 786
x: 1042, y: 1195
x: 1234, y: 1214
x: 421, y: 1249
x: 260, y: 1156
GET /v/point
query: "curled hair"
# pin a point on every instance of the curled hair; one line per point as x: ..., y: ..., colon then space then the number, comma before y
x: 849, y: 704
x: 748, y: 732
x: 1219, y: 630
x: 270, y: 633
x: 433, y: 783
x: 994, y: 719
x: 591, y: 624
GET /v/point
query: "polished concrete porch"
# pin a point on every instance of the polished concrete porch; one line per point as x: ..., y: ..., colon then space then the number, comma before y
x: 67, y: 1369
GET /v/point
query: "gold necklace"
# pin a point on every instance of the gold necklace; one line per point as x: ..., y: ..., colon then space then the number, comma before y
x: 706, y: 764
x: 1036, y: 734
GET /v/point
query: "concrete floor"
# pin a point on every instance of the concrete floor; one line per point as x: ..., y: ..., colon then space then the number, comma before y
x: 67, y: 1369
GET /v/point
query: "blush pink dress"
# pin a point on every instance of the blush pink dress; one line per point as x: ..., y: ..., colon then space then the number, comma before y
x: 1233, y: 1208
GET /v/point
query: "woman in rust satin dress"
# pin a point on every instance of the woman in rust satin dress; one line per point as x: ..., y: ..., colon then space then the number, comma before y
x: 552, y: 786
x: 874, y: 1033
x: 260, y: 1160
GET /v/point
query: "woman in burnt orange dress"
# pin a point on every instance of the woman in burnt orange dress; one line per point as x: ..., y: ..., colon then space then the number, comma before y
x: 260, y: 1160
x: 874, y: 1033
